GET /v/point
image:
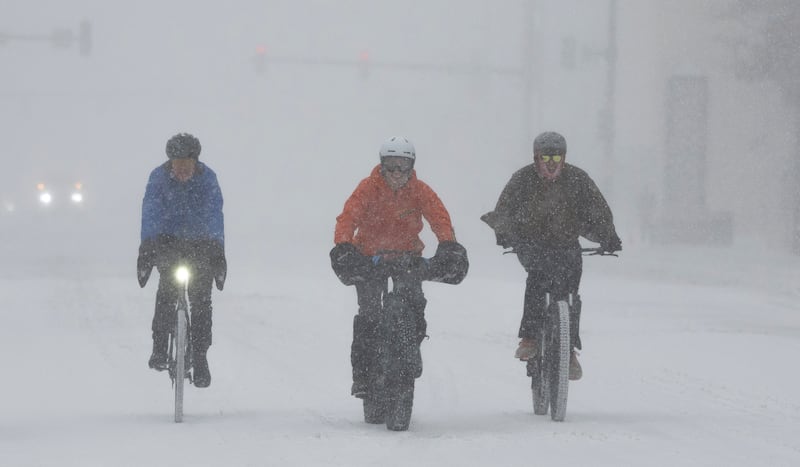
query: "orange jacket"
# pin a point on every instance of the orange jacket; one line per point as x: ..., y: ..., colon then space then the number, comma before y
x: 376, y: 218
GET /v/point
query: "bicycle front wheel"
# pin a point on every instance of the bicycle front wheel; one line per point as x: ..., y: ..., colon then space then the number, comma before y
x: 400, y: 403
x: 557, y: 351
x: 181, y: 342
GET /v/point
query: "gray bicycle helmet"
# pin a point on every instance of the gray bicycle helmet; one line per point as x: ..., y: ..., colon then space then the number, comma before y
x: 549, y: 142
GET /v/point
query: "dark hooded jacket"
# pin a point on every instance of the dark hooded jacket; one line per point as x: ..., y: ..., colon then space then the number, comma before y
x: 541, y: 213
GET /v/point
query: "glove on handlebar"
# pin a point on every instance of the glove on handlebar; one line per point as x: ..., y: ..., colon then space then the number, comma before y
x: 450, y: 263
x: 611, y: 245
x: 219, y: 265
x: 148, y: 254
x: 215, y: 252
x: 349, y: 265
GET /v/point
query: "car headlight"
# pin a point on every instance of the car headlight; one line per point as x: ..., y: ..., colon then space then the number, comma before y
x: 77, y: 193
x: 45, y: 198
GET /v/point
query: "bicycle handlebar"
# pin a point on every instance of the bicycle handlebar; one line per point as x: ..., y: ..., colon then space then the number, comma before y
x: 402, y: 263
x: 598, y: 251
x: 594, y: 251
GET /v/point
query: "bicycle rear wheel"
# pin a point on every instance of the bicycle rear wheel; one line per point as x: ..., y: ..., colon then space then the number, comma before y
x: 557, y: 349
x: 539, y: 388
x: 181, y: 342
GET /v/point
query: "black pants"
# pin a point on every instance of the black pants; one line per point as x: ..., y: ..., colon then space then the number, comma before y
x: 557, y: 271
x: 366, y: 332
x: 199, y: 292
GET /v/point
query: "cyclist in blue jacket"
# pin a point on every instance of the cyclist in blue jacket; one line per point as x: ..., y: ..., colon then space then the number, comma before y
x: 182, y: 223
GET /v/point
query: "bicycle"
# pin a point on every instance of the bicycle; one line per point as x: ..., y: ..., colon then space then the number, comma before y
x: 390, y: 393
x: 549, y: 369
x: 180, y: 346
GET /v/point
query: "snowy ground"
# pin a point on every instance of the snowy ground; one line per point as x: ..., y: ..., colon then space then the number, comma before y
x: 688, y: 360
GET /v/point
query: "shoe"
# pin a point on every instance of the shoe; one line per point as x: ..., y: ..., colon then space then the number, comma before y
x: 528, y: 348
x: 201, y: 373
x: 575, y: 370
x: 158, y: 359
x: 359, y: 389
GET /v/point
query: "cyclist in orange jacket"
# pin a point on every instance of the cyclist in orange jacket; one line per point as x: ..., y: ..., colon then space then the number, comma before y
x: 384, y: 215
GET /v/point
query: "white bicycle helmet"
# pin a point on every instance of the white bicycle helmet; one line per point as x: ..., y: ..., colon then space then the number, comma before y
x: 397, y: 146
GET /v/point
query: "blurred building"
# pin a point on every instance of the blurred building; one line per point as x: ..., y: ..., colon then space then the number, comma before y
x: 708, y: 156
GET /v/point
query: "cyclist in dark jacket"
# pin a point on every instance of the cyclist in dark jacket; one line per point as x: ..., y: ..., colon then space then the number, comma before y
x: 182, y: 223
x: 541, y: 212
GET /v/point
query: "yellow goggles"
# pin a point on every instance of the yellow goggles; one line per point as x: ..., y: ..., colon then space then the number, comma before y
x: 555, y: 158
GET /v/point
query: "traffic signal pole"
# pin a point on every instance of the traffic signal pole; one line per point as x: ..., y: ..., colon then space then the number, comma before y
x: 61, y: 38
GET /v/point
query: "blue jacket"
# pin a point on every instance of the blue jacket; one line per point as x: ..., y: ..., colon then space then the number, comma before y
x: 190, y: 210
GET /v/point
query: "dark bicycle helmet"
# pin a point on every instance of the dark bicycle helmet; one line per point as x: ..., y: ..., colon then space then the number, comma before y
x: 183, y: 146
x: 549, y: 142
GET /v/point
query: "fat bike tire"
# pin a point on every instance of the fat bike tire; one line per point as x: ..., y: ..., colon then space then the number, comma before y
x: 181, y: 344
x: 557, y: 357
x: 400, y: 404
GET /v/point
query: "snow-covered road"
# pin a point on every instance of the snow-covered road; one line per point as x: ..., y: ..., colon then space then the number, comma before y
x: 686, y: 362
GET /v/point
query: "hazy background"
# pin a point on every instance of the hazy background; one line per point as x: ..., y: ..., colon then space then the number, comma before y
x: 470, y: 82
x: 684, y: 112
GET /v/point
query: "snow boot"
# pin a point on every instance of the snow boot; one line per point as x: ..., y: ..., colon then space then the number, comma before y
x: 158, y: 359
x: 528, y: 348
x: 359, y: 389
x: 201, y: 373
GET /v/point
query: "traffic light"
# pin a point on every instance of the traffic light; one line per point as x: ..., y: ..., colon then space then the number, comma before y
x: 363, y: 64
x: 260, y: 59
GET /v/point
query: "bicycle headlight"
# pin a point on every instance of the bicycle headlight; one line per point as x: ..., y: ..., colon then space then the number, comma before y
x: 182, y: 274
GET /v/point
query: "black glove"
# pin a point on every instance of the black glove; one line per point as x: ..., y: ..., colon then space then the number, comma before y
x: 450, y: 263
x: 220, y: 267
x: 505, y: 240
x: 611, y: 245
x: 215, y: 252
x: 148, y: 254
x: 502, y: 228
x: 349, y: 264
